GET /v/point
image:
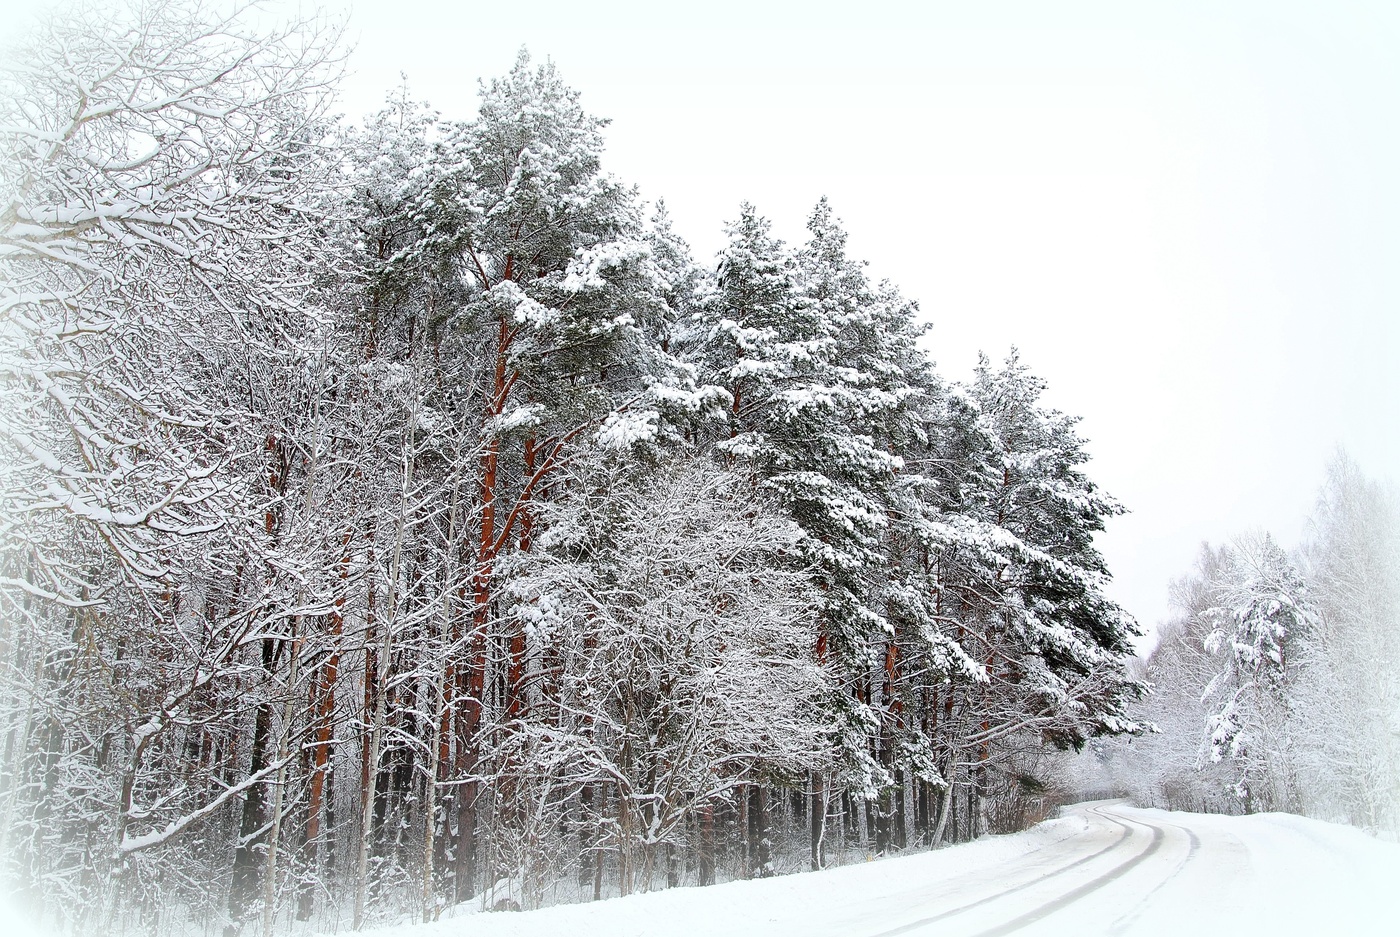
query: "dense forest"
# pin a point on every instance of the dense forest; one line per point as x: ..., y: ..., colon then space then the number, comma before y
x: 396, y: 514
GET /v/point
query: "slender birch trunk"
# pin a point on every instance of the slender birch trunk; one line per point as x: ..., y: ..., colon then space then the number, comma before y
x: 278, y: 792
x: 441, y: 690
x: 385, y: 645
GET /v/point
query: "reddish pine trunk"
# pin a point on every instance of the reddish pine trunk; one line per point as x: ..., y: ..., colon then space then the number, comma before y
x: 323, y: 702
x: 469, y: 725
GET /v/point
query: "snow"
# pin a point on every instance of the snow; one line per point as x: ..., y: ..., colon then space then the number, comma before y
x: 586, y: 273
x: 626, y: 428
x: 13, y: 922
x: 1101, y: 868
x: 516, y: 418
x: 526, y: 309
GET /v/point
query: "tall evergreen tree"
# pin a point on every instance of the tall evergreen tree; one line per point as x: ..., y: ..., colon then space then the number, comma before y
x: 1265, y: 610
x: 557, y: 301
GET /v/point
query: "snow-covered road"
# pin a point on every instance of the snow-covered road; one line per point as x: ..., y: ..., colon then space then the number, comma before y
x: 1100, y: 868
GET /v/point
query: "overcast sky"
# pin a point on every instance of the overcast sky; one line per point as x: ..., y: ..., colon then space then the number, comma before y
x: 1186, y: 217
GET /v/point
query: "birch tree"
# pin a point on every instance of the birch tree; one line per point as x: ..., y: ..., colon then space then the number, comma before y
x: 684, y: 635
x: 1345, y: 695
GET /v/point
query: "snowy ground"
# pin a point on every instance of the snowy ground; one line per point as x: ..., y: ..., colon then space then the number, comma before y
x: 1102, y: 868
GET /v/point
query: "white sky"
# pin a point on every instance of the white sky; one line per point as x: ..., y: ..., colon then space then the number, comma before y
x: 1186, y: 215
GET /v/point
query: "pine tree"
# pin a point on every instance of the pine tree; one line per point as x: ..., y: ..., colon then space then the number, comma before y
x: 1003, y: 518
x: 822, y: 370
x: 1265, y: 610
x: 1070, y: 637
x: 553, y: 306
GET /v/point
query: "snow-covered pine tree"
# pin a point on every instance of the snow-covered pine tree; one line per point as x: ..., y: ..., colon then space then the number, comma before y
x: 1007, y: 520
x: 1070, y: 631
x: 1265, y: 610
x: 545, y: 277
x: 821, y: 367
x: 868, y: 381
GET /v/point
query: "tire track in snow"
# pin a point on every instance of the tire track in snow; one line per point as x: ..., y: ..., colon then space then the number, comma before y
x: 1093, y: 885
x: 1121, y: 925
x: 924, y: 922
x: 920, y: 893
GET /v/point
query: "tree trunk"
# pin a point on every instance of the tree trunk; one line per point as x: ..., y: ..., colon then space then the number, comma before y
x: 274, y: 835
x: 624, y: 845
x: 380, y: 689
x: 817, y: 815
x: 706, y: 862
x: 945, y: 807
x: 430, y: 785
x: 247, y: 865
x: 515, y: 700
x: 469, y: 741
x: 324, y: 706
x: 438, y: 750
x: 905, y: 808
x: 761, y: 848
x: 243, y: 889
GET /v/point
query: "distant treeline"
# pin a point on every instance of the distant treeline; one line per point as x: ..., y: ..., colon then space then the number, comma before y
x: 1277, y: 686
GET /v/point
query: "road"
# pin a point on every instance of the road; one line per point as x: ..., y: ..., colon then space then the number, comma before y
x: 1133, y: 871
x: 1101, y: 868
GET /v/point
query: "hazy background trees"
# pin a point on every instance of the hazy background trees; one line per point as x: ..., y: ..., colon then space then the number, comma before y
x: 1275, y: 688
